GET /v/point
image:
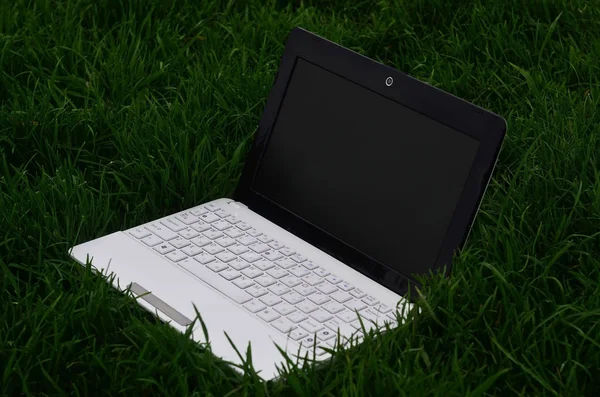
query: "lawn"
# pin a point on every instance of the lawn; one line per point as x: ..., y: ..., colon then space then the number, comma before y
x: 114, y: 113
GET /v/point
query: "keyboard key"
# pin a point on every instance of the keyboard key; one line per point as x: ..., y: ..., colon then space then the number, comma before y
x: 225, y: 241
x: 255, y: 306
x: 297, y: 317
x: 319, y: 298
x: 370, y: 300
x: 251, y: 272
x: 215, y: 281
x: 256, y: 291
x: 321, y: 272
x: 179, y: 242
x: 213, y: 234
x: 192, y: 250
x: 309, y: 265
x: 270, y: 299
x: 151, y: 240
x: 312, y: 279
x: 230, y: 274
x: 265, y: 280
x: 201, y: 241
x: 189, y: 233
x: 356, y: 325
x: 221, y: 225
x: 213, y: 248
x: 174, y: 224
x: 298, y: 334
x: 222, y: 214
x: 243, y: 282
x: 238, y: 264
x: 311, y: 326
x: 275, y: 245
x: 341, y: 296
x: 291, y: 281
x: 272, y: 255
x: 327, y: 288
x: 391, y: 322
x: 217, y: 266
x: 299, y: 271
x: 333, y: 307
x: 355, y: 305
x: 200, y: 227
x: 357, y: 293
x: 284, y: 325
x: 209, y: 218
x: 298, y: 258
x: 321, y: 315
x: 325, y: 334
x: 285, y: 263
x: 234, y: 233
x: 320, y: 351
x: 286, y: 251
x: 277, y: 273
x: 243, y: 226
x: 358, y: 335
x: 139, y: 233
x: 333, y: 279
x: 307, y: 306
x: 253, y: 233
x: 393, y: 316
x: 187, y: 218
x: 226, y: 256
x: 293, y: 297
x: 176, y: 256
x: 246, y: 240
x: 264, y: 265
x: 308, y: 344
x: 162, y: 231
x: 370, y: 316
x: 344, y: 286
x: 198, y: 211
x: 211, y: 207
x: 259, y: 248
x: 347, y: 316
x: 382, y: 308
x: 279, y: 289
x: 238, y: 249
x: 336, y: 325
x: 251, y: 257
x: 264, y: 239
x: 204, y: 258
x: 233, y: 220
x: 164, y: 248
x: 284, y: 309
x: 305, y: 290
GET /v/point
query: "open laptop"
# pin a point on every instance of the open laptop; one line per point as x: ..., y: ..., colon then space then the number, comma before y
x: 359, y: 179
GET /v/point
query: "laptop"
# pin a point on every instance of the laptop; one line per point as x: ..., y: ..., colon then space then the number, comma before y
x: 360, y: 179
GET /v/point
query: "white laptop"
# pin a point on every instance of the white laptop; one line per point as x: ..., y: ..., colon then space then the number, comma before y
x: 359, y: 180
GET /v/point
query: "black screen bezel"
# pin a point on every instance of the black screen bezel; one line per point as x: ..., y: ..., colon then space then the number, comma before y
x: 488, y: 128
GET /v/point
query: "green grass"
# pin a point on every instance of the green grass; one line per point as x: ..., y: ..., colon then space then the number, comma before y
x: 114, y: 113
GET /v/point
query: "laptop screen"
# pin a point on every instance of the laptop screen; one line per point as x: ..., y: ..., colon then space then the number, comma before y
x: 369, y: 171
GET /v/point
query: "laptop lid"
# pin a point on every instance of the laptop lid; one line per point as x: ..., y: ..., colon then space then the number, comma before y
x: 379, y: 170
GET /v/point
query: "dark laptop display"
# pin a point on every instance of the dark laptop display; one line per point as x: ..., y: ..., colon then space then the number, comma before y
x: 378, y: 169
x: 375, y: 174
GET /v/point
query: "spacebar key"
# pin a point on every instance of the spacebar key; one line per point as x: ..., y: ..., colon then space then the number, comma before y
x: 214, y: 280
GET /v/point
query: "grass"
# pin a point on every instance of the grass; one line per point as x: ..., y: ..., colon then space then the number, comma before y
x: 114, y: 113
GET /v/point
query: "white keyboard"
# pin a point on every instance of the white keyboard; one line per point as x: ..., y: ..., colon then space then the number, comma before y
x: 276, y: 283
